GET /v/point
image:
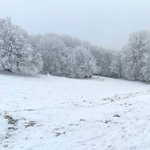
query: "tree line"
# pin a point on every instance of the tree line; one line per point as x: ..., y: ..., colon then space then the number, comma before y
x: 63, y: 55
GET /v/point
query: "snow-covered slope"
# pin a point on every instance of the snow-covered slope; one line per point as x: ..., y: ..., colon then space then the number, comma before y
x: 55, y: 113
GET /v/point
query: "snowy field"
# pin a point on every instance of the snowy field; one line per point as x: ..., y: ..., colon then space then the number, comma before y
x: 56, y: 113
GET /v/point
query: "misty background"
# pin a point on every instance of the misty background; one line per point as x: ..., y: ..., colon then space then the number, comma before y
x: 104, y: 23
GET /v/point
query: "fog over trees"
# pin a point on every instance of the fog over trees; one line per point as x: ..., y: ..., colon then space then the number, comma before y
x: 63, y: 55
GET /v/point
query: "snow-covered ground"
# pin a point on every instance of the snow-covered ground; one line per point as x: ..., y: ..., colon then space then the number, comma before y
x: 56, y: 113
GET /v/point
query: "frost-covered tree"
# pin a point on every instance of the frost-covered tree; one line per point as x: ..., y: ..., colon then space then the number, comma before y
x: 6, y: 51
x: 21, y: 48
x: 53, y: 54
x: 115, y: 66
x: 15, y: 50
x: 132, y: 56
x: 34, y: 40
x: 63, y: 60
x: 146, y: 68
x: 107, y: 58
x: 97, y: 54
x: 70, y: 41
x: 83, y: 64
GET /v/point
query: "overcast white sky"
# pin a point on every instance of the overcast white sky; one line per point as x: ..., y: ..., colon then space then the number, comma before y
x: 106, y: 23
